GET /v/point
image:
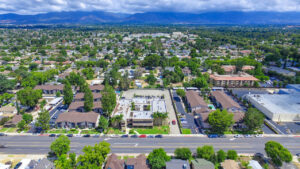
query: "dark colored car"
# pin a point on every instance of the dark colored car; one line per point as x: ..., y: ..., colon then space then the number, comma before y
x: 134, y: 136
x: 221, y: 136
x: 96, y: 136
x: 124, y: 136
x: 159, y: 136
x: 58, y: 135
x: 143, y: 136
x: 3, y: 146
x: 2, y: 134
x: 18, y: 165
x: 52, y: 135
x: 212, y: 136
x: 70, y: 135
x: 150, y: 136
x: 86, y: 135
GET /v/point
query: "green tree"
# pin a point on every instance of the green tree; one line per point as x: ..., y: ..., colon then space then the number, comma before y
x: 151, y: 79
x: 29, y: 97
x: 278, y: 153
x: 180, y: 92
x: 60, y: 146
x: 183, y: 153
x: 221, y: 156
x: 27, y: 118
x: 206, y: 152
x: 253, y: 119
x: 21, y: 125
x: 220, y: 121
x: 103, y: 123
x: 5, y: 84
x: 72, y: 157
x: 93, y: 157
x: 158, y: 158
x: 68, y: 93
x: 88, y: 100
x: 159, y: 118
x: 151, y: 60
x: 63, y: 162
x: 108, y: 100
x: 232, y: 154
x: 43, y: 120
x: 88, y: 73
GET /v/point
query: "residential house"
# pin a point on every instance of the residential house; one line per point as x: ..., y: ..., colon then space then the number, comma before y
x: 178, y: 164
x: 50, y: 89
x: 195, y: 102
x: 254, y: 164
x: 79, y: 106
x: 41, y: 164
x: 94, y: 88
x: 14, y: 121
x: 114, y: 163
x: 77, y: 119
x: 80, y: 97
x: 230, y: 164
x: 228, y: 69
x: 140, y: 162
x: 200, y: 163
x: 186, y: 71
x: 9, y: 110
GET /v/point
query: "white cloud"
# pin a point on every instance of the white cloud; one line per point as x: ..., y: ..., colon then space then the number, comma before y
x: 134, y: 6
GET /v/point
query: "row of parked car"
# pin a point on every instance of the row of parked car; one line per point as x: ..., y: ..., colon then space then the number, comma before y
x: 97, y: 136
x: 235, y: 136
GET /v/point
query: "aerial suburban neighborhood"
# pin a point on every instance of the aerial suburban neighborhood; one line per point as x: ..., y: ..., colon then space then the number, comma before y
x: 149, y: 97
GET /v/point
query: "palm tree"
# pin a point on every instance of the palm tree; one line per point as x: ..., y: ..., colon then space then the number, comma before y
x: 159, y: 118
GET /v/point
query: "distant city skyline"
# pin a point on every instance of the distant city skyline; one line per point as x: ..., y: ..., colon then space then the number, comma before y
x: 138, y: 6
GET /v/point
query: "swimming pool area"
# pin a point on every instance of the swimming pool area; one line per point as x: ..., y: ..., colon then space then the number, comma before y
x: 211, y: 106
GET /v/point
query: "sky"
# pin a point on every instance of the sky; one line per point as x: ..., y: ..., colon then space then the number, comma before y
x: 139, y: 6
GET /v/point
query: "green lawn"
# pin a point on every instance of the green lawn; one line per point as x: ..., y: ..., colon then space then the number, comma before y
x: 92, y: 131
x: 146, y: 40
x: 63, y: 131
x: 186, y: 131
x: 11, y: 130
x: 4, y: 129
x: 154, y: 130
x: 114, y: 131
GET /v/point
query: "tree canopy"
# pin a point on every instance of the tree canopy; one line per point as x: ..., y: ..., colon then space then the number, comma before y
x: 278, y: 153
x: 61, y: 146
x: 220, y: 121
x: 158, y: 158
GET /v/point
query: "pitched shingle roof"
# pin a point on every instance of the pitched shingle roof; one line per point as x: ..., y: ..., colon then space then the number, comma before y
x: 225, y: 100
x: 194, y: 99
x: 139, y: 162
x: 50, y: 87
x: 114, y: 163
x: 77, y: 117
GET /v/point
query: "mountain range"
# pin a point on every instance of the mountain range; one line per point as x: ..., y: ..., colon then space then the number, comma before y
x: 100, y: 17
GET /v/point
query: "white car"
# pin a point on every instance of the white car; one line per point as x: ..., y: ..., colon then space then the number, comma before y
x: 258, y: 135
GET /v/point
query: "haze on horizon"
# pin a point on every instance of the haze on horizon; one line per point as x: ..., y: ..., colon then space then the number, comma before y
x: 138, y: 6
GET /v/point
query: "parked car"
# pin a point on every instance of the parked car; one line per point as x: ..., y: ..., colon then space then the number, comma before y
x: 70, y: 135
x: 159, y: 136
x: 86, y: 135
x: 124, y: 136
x: 96, y: 136
x: 143, y: 136
x: 52, y: 135
x: 57, y: 135
x: 174, y: 122
x: 2, y: 134
x: 258, y: 135
x: 298, y: 154
x: 18, y: 165
x: 150, y: 136
x: 248, y: 136
x: 3, y: 146
x: 238, y: 136
x: 134, y: 136
x: 221, y: 136
x: 212, y: 136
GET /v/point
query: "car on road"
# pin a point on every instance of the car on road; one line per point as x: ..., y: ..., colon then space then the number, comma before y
x: 134, y: 136
x: 2, y: 134
x: 54, y: 117
x: 124, y: 136
x: 174, y: 122
x: 3, y: 146
x: 212, y: 136
x: 142, y: 136
x: 87, y: 135
x: 96, y: 136
x: 114, y: 136
x: 221, y: 135
x: 258, y: 135
x: 58, y: 135
x: 150, y: 136
x: 52, y: 135
x: 238, y: 136
x: 159, y: 136
x: 248, y: 136
x: 298, y: 154
x: 70, y: 135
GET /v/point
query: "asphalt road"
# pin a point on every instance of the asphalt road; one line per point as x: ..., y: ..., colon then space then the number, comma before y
x: 41, y: 144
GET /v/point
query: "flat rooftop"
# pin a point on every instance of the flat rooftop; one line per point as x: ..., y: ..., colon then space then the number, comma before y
x: 279, y: 103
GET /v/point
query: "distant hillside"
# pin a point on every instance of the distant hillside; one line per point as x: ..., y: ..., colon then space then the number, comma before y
x: 154, y: 18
